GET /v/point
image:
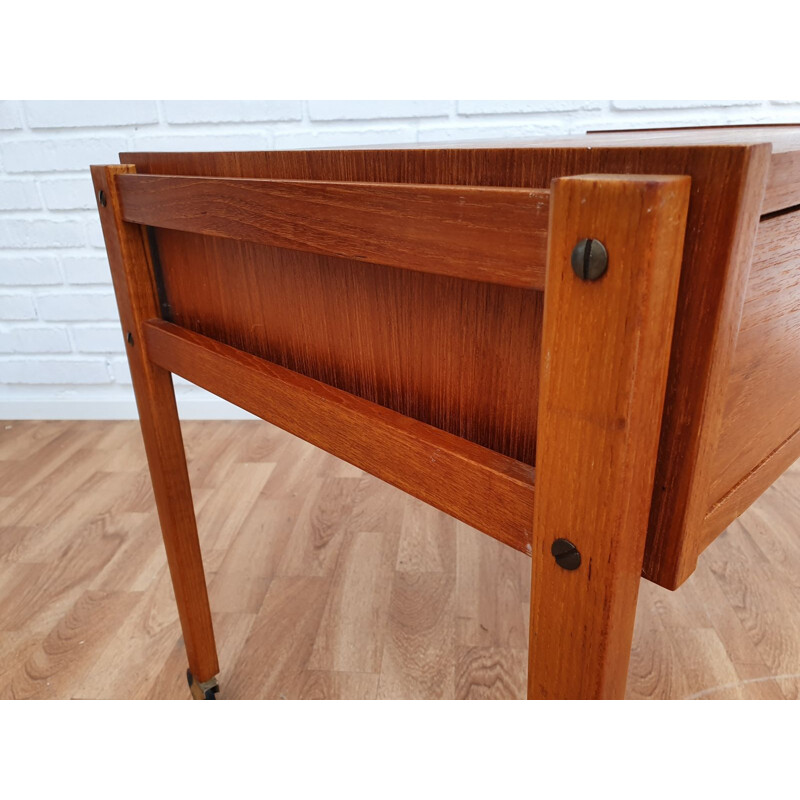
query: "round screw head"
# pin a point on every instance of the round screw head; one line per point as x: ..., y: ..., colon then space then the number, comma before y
x: 101, y: 196
x: 565, y: 554
x: 589, y: 259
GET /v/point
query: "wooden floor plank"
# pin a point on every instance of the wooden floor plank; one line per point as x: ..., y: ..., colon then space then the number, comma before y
x: 46, y: 668
x: 428, y: 540
x: 312, y: 685
x: 328, y: 583
x: 129, y: 664
x: 281, y: 640
x: 491, y: 673
x: 351, y: 634
x: 218, y: 523
x: 419, y: 655
x: 492, y: 593
x: 313, y: 548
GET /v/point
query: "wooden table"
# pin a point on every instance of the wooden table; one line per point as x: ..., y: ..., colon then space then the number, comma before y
x: 587, y: 348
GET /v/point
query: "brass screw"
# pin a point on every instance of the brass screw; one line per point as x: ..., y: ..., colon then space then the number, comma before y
x: 589, y: 259
x: 565, y: 554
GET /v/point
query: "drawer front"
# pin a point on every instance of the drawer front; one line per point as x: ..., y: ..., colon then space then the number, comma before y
x: 762, y: 411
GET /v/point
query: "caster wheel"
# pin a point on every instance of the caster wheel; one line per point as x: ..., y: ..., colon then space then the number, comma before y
x: 207, y: 690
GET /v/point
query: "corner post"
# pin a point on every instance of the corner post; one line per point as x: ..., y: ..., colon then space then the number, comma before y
x: 137, y: 299
x: 605, y: 355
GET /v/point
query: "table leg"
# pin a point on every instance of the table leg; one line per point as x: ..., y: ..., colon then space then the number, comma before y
x: 137, y: 298
x: 605, y: 355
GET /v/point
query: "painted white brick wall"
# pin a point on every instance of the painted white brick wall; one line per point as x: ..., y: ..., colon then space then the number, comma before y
x: 61, y: 349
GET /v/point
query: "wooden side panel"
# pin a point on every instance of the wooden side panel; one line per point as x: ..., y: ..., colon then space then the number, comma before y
x: 478, y: 486
x: 473, y: 232
x: 762, y: 407
x: 605, y: 354
x: 459, y: 355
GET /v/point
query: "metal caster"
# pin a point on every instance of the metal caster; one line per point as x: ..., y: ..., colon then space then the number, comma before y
x: 207, y: 690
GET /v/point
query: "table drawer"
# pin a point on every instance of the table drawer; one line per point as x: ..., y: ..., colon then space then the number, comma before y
x: 760, y: 433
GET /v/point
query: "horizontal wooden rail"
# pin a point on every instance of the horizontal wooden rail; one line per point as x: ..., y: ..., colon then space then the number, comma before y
x: 483, y: 488
x: 495, y: 235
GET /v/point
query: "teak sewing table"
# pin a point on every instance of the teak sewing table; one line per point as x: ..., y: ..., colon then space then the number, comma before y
x: 587, y: 348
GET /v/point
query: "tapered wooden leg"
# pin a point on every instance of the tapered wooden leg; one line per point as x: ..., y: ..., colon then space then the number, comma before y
x: 605, y: 356
x: 137, y: 298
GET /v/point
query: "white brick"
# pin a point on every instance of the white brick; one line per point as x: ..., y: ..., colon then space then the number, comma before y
x: 60, y: 154
x: 39, y: 340
x: 184, y: 112
x: 666, y: 105
x: 120, y: 371
x: 17, y: 195
x: 478, y: 107
x: 202, y: 142
x: 343, y: 138
x: 98, y: 339
x: 66, y: 194
x: 89, y: 113
x: 82, y: 269
x: 85, y: 307
x: 29, y: 270
x: 488, y: 133
x: 17, y: 306
x: 94, y: 233
x: 51, y: 371
x: 33, y: 233
x: 377, y: 109
x: 10, y: 117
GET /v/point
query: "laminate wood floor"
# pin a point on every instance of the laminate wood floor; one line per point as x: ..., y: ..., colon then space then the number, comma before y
x: 328, y: 583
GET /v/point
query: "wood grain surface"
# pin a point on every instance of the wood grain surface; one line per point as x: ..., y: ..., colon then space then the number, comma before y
x: 729, y: 172
x: 472, y: 232
x: 459, y: 355
x: 434, y: 608
x: 605, y: 353
x: 483, y: 488
x: 783, y: 182
x: 761, y: 429
x: 137, y: 301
